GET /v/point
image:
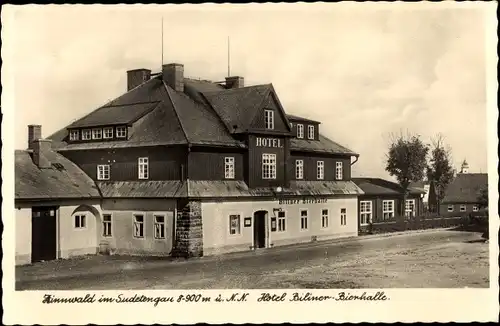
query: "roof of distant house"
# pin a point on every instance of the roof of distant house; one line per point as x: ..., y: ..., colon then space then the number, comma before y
x: 63, y: 180
x: 465, y: 188
x: 205, y: 114
x: 378, y: 186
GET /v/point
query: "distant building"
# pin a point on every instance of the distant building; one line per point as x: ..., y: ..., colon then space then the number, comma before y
x: 430, y: 198
x: 461, y: 196
x: 381, y: 201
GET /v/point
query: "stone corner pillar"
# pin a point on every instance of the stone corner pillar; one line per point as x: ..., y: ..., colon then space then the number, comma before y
x: 189, y: 231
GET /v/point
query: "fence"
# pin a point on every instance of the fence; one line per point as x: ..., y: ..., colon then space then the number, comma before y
x: 464, y: 222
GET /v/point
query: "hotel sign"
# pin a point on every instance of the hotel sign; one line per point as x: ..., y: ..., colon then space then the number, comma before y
x: 302, y: 201
x: 268, y: 142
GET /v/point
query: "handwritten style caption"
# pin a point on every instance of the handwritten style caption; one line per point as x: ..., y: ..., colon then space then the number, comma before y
x: 202, y: 298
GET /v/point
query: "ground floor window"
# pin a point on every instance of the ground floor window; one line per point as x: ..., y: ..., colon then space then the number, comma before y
x: 106, y: 225
x: 281, y: 221
x: 139, y: 226
x: 159, y: 227
x: 234, y: 224
x: 343, y: 216
x: 365, y: 209
x: 410, y: 208
x: 387, y: 209
x: 80, y: 221
x: 303, y: 219
x: 324, y: 218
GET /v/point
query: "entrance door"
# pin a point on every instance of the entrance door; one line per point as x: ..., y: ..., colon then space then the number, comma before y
x: 43, y: 234
x: 259, y: 229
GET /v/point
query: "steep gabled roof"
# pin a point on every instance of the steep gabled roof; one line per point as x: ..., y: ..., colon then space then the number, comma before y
x: 378, y: 186
x: 158, y: 116
x: 465, y: 188
x: 237, y: 107
x: 63, y: 180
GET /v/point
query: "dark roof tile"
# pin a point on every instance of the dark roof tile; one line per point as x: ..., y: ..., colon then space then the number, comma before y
x: 323, y: 145
x: 465, y: 188
x: 377, y: 186
x: 63, y: 180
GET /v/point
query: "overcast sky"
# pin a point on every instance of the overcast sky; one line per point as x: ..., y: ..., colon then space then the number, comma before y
x: 363, y: 72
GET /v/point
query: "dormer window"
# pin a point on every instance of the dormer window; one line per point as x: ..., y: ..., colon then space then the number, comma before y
x: 86, y: 134
x: 310, y: 132
x: 300, y: 131
x: 96, y: 133
x: 121, y: 132
x: 108, y: 133
x: 74, y: 135
x: 269, y: 119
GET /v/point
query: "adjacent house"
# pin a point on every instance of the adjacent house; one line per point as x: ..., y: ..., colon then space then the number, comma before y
x: 461, y: 196
x: 191, y: 167
x: 57, y: 205
x: 381, y: 202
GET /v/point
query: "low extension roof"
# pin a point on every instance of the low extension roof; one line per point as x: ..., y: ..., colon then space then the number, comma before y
x: 465, y: 188
x: 378, y: 186
x: 63, y: 180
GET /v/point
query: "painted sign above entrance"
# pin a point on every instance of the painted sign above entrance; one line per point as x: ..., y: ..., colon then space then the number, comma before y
x: 302, y: 201
x: 268, y: 142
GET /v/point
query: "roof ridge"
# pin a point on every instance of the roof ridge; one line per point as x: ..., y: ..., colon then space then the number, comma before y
x: 176, y: 113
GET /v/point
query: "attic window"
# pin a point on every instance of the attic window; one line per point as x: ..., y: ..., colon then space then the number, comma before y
x: 269, y: 119
x: 300, y: 131
x: 74, y: 135
x: 121, y: 132
x: 58, y: 166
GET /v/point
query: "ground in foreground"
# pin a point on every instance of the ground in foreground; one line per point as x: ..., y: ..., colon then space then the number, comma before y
x: 433, y: 259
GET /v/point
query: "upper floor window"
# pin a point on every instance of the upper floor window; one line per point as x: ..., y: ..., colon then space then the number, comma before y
x: 108, y: 133
x: 338, y: 171
x: 143, y: 168
x: 475, y: 208
x: 86, y: 134
x: 229, y: 167
x: 269, y: 119
x: 299, y: 169
x: 121, y: 132
x: 310, y: 131
x: 300, y: 131
x: 96, y: 133
x: 450, y: 208
x: 74, y: 135
x: 320, y: 173
x: 103, y: 172
x: 463, y: 208
x: 268, y: 166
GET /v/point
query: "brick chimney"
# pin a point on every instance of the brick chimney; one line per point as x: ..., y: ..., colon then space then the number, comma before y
x: 136, y: 77
x: 235, y: 82
x: 173, y: 76
x: 41, y: 150
x: 34, y: 133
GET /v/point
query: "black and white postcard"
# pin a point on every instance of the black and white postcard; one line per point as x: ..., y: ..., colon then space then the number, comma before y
x: 250, y: 163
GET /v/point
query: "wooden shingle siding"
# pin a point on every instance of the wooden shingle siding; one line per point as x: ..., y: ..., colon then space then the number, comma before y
x: 210, y: 165
x: 164, y: 162
x: 255, y: 164
x: 279, y: 119
x: 310, y: 164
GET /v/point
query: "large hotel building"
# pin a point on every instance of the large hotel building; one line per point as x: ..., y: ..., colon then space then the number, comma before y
x: 186, y: 167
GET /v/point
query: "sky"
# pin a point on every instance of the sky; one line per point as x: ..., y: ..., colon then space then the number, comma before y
x: 363, y: 71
